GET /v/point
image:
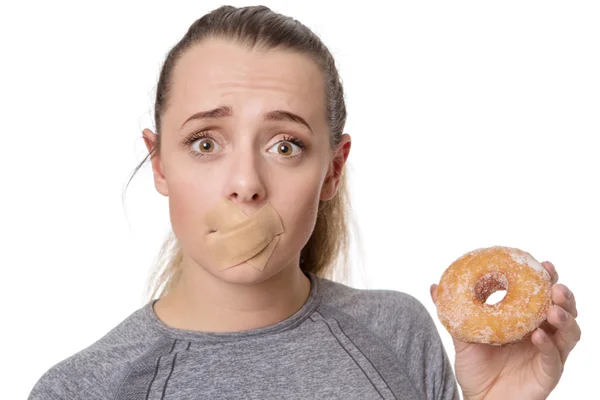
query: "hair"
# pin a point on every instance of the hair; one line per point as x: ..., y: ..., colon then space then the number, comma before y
x: 260, y: 27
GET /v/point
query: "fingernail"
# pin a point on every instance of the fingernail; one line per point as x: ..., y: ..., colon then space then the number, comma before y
x: 568, y: 294
x: 563, y: 315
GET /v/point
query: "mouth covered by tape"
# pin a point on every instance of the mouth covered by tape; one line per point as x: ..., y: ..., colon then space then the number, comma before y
x: 238, y: 238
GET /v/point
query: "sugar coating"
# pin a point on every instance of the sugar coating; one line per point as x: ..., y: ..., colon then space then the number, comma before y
x: 525, y: 258
x: 484, y: 334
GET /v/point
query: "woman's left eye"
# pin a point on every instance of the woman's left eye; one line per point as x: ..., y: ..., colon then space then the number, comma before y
x: 287, y: 148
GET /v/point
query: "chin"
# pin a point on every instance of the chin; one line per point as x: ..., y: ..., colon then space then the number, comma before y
x: 244, y: 273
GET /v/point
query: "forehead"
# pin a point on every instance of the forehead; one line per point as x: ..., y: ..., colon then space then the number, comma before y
x: 221, y: 72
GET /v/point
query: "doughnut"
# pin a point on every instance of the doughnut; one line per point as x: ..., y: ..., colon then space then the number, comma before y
x: 467, y: 283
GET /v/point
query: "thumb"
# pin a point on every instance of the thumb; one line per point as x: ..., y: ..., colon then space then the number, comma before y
x: 433, y: 292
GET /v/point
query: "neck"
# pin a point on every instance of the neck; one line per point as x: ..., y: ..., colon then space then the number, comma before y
x: 203, y: 302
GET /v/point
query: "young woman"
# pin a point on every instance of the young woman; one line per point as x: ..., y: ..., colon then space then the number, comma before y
x: 250, y: 150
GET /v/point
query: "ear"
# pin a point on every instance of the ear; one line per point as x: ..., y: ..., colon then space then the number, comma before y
x: 150, y: 138
x: 336, y: 166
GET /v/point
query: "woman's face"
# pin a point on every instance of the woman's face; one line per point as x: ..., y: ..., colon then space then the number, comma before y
x: 261, y: 136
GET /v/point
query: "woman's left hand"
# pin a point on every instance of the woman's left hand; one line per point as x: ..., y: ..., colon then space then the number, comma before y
x: 529, y: 369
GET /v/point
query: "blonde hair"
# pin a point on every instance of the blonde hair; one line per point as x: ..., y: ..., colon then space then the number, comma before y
x: 325, y: 253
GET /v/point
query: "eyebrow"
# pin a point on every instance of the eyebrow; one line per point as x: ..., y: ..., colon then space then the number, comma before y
x: 225, y: 111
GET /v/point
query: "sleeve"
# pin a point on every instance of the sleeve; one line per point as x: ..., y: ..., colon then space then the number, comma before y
x: 51, y: 386
x: 72, y: 378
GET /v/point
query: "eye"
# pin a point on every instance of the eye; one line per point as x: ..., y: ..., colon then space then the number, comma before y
x: 206, y: 145
x: 288, y: 147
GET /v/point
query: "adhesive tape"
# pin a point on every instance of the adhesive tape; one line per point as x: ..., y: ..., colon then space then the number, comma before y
x: 238, y: 238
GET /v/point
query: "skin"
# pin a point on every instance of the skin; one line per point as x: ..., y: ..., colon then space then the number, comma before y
x: 529, y: 369
x: 242, y: 161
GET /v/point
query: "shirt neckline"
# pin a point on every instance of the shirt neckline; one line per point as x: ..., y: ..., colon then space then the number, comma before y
x: 292, y: 321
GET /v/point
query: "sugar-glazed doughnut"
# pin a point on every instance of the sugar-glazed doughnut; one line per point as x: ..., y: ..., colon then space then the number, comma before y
x: 468, y: 282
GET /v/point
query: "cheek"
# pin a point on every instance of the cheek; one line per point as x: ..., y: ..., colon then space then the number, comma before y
x: 189, y: 199
x: 300, y: 222
x: 297, y: 205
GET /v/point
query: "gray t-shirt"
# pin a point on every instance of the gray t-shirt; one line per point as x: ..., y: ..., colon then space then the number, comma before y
x: 344, y: 343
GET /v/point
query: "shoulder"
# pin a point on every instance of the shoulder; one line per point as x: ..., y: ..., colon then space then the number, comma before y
x: 385, y: 312
x: 96, y: 371
x: 397, y: 323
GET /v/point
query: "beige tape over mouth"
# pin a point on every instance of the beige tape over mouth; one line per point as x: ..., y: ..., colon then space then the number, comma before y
x: 240, y: 238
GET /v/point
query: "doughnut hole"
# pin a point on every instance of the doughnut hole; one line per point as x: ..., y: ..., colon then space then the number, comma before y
x: 491, y: 283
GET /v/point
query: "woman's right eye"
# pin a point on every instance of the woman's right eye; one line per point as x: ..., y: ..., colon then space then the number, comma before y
x: 205, y: 146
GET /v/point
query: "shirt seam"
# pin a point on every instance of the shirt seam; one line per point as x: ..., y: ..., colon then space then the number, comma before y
x: 384, y: 342
x: 130, y: 368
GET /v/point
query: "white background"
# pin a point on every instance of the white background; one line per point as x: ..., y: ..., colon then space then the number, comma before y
x: 473, y: 124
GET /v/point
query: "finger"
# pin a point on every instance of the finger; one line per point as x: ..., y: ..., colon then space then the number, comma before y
x: 563, y: 297
x: 550, y: 360
x: 433, y: 292
x: 548, y: 327
x: 551, y: 270
x: 568, y: 332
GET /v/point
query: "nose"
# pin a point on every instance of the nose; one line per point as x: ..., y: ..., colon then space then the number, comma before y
x: 244, y: 183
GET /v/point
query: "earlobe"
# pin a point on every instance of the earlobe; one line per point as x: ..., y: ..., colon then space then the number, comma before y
x: 150, y: 139
x: 326, y: 189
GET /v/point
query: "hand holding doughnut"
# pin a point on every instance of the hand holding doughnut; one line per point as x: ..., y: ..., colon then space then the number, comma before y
x: 527, y: 368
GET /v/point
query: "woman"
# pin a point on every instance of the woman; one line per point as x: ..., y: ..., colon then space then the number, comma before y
x: 250, y: 150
